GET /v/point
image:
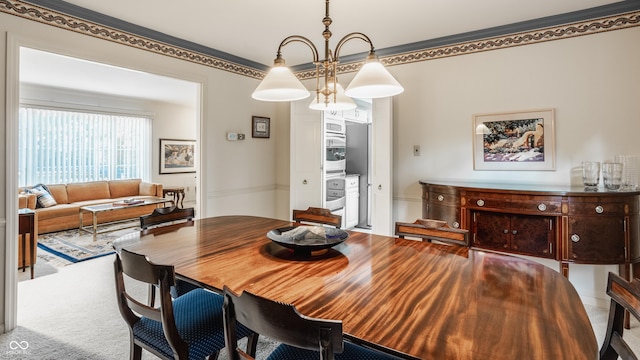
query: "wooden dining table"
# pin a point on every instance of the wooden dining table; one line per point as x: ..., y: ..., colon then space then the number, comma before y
x: 414, y: 299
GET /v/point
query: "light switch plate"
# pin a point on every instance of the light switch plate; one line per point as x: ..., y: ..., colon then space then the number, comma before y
x: 232, y: 136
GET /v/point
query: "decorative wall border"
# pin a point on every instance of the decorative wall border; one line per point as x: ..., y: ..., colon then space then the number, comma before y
x: 59, y: 20
x: 427, y: 52
x: 590, y: 27
x: 567, y: 31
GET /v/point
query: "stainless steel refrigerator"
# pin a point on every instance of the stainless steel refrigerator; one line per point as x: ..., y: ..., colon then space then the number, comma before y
x: 359, y: 162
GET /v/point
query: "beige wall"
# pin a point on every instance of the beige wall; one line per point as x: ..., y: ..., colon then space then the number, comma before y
x: 592, y: 81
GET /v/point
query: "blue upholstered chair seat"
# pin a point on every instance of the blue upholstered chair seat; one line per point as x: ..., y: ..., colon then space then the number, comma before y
x: 182, y: 287
x: 198, y: 317
x: 351, y: 352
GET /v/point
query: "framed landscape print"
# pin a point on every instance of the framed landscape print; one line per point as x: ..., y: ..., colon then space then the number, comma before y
x: 177, y: 156
x: 260, y: 127
x: 523, y: 140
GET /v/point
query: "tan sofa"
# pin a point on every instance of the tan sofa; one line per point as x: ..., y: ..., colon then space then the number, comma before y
x: 70, y: 197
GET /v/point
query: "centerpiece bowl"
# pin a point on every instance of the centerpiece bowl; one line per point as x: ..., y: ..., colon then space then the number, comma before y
x: 304, y: 239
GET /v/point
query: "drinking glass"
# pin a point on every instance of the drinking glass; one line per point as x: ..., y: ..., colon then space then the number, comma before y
x: 612, y: 175
x: 629, y: 171
x: 590, y: 173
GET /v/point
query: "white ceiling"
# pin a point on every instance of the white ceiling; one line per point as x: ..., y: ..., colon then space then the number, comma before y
x: 72, y: 73
x: 253, y: 29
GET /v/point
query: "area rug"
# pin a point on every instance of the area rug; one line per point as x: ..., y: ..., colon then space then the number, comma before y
x: 73, y: 246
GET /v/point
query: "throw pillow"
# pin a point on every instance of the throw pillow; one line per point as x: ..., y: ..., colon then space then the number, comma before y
x: 44, y: 197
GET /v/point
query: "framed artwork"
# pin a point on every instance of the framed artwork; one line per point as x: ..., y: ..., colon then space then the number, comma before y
x: 260, y: 127
x: 177, y: 156
x: 523, y: 140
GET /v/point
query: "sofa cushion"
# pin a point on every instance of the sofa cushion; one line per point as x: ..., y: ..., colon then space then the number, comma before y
x: 27, y: 200
x: 44, y: 198
x: 148, y: 189
x: 124, y: 188
x: 58, y: 211
x: 88, y: 191
x: 59, y: 192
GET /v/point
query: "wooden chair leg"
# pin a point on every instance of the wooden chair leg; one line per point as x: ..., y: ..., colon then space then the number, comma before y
x: 136, y: 352
x: 252, y: 344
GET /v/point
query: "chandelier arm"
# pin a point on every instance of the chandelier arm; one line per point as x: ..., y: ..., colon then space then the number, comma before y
x: 302, y: 39
x: 351, y: 36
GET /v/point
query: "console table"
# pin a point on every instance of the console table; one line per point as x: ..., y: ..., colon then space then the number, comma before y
x: 568, y: 224
x: 26, y: 229
x: 177, y: 192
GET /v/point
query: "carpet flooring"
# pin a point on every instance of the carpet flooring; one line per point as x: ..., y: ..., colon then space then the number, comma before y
x: 71, y: 313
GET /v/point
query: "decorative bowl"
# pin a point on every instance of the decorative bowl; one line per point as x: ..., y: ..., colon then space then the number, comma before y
x: 304, y: 239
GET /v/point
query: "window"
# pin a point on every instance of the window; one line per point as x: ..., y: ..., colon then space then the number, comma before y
x: 66, y: 146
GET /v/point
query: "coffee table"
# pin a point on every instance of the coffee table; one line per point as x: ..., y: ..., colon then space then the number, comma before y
x: 102, y: 208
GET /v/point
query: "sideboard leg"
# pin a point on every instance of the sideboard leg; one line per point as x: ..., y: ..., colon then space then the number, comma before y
x: 564, y: 269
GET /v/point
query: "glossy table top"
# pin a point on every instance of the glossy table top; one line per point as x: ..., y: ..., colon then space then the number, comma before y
x: 422, y: 300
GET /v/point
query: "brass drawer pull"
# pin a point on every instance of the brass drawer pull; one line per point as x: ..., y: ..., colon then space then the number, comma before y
x: 575, y: 238
x: 542, y: 207
x: 456, y: 225
x: 480, y: 202
x: 599, y: 209
x: 440, y: 198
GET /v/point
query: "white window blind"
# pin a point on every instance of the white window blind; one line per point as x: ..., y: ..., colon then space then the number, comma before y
x: 60, y: 146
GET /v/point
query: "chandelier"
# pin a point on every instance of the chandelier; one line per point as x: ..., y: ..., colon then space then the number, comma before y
x: 372, y: 81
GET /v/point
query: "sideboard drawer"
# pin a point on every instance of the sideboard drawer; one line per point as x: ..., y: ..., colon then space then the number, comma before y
x: 443, y: 196
x: 604, y: 206
x: 519, y: 204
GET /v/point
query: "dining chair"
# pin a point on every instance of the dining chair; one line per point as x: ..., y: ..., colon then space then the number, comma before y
x: 317, y: 216
x: 188, y: 327
x: 165, y: 215
x: 625, y: 296
x: 301, y: 337
x: 432, y: 230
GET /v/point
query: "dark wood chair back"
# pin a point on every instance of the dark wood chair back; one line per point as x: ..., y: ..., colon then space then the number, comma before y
x: 280, y: 322
x: 164, y: 215
x: 625, y: 296
x: 317, y: 216
x: 138, y: 267
x: 432, y: 230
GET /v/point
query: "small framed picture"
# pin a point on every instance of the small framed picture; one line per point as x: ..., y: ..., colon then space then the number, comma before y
x: 522, y: 140
x: 177, y: 156
x: 260, y: 127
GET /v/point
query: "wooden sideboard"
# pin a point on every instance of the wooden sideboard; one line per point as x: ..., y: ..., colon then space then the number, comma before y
x: 567, y: 224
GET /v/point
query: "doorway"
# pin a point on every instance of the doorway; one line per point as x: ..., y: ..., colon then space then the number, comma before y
x: 40, y: 75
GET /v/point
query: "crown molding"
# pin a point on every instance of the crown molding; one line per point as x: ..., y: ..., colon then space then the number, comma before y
x: 567, y: 31
x: 616, y: 16
x: 150, y: 41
